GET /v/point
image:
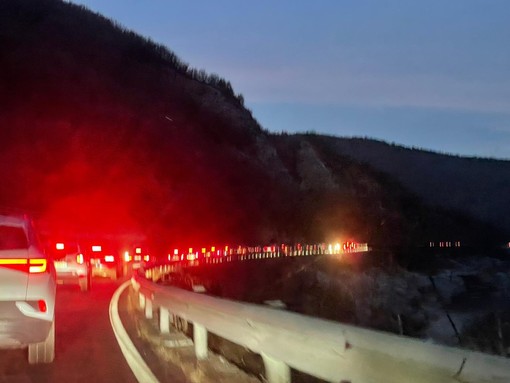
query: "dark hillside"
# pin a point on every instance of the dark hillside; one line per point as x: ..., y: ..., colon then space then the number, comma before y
x: 477, y: 186
x: 360, y: 201
x: 104, y: 132
x: 114, y: 132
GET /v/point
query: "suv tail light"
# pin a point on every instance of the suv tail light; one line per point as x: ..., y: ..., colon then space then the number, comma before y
x: 38, y: 265
x: 42, y: 306
x: 32, y: 266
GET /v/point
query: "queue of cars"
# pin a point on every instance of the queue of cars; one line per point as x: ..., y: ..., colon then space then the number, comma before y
x: 78, y: 263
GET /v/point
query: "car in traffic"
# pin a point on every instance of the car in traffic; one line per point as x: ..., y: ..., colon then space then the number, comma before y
x: 105, y: 262
x: 27, y: 291
x: 72, y: 265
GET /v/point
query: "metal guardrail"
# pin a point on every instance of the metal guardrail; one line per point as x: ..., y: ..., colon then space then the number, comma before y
x: 327, y: 350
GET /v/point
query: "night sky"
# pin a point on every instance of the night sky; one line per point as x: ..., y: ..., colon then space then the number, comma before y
x: 430, y: 74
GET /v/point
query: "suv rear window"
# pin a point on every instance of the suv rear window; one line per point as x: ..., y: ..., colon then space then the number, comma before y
x: 12, y: 238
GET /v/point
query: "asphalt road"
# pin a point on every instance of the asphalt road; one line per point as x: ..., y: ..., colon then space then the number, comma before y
x: 86, y: 348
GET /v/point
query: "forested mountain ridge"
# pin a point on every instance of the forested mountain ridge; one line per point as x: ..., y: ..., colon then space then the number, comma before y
x: 478, y: 186
x: 106, y: 131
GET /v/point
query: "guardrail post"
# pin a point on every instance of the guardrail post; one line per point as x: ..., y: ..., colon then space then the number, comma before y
x: 200, y: 340
x: 276, y: 371
x: 141, y: 300
x: 148, y: 308
x: 164, y: 320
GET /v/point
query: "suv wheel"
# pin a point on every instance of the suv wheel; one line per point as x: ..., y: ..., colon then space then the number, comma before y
x: 43, y: 352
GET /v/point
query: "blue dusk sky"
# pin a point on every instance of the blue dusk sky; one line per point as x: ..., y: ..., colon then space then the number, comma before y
x: 433, y: 74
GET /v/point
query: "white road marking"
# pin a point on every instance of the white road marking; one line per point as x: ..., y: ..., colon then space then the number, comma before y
x: 140, y: 369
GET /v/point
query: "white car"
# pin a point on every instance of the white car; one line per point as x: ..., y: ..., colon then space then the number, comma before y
x: 72, y: 265
x: 27, y: 291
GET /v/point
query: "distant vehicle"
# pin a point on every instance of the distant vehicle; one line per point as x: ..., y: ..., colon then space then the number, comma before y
x: 27, y: 291
x: 105, y: 262
x: 136, y: 260
x: 72, y: 265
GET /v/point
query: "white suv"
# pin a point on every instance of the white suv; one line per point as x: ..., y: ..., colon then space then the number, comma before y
x: 27, y: 291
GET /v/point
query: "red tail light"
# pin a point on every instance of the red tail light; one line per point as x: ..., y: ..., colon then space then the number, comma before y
x: 15, y: 264
x: 32, y: 266
x: 42, y: 306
